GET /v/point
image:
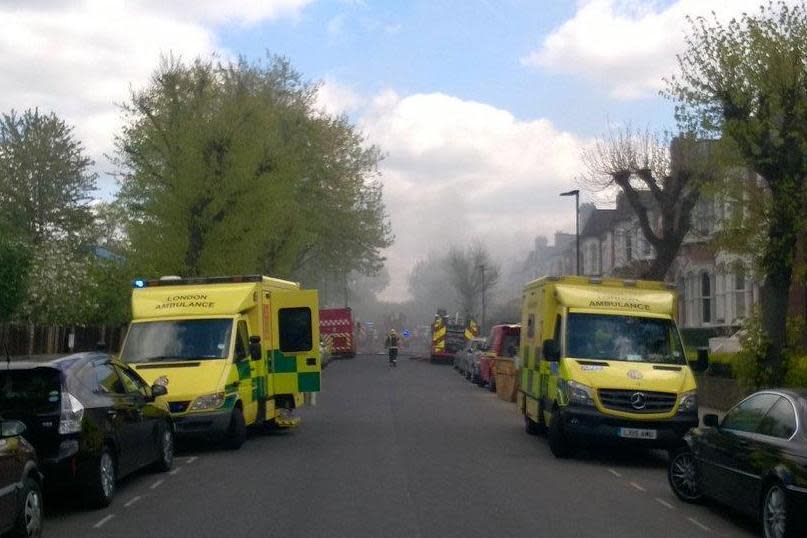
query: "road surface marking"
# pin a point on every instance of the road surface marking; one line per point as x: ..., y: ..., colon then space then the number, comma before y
x: 191, y: 460
x: 664, y: 503
x: 174, y: 471
x: 613, y: 472
x: 637, y: 486
x: 698, y: 524
x: 104, y: 520
x: 156, y: 484
x: 132, y: 501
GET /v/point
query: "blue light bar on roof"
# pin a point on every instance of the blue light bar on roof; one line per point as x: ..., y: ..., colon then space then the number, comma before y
x: 139, y: 283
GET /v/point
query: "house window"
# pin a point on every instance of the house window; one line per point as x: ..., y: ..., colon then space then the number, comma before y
x: 720, y: 296
x: 706, y: 298
x: 739, y: 293
x: 628, y: 248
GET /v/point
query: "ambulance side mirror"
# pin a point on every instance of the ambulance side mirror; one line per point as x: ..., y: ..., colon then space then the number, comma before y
x: 551, y: 351
x: 255, y: 347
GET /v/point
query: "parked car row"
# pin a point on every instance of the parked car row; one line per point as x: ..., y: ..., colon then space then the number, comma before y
x: 476, y: 362
x: 79, y: 422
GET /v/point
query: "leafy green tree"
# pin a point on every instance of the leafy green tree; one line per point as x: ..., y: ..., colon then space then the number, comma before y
x: 746, y: 80
x: 45, y: 177
x: 229, y: 168
x: 15, y: 261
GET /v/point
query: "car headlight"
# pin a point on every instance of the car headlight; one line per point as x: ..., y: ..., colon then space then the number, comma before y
x: 208, y: 401
x: 688, y: 403
x: 579, y: 394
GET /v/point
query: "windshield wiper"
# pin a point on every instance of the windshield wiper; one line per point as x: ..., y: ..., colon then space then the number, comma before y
x: 157, y: 358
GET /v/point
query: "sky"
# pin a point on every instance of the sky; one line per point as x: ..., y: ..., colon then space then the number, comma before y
x: 481, y: 107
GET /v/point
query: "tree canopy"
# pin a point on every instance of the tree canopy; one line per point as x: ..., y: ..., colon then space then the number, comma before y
x: 230, y: 168
x: 746, y: 81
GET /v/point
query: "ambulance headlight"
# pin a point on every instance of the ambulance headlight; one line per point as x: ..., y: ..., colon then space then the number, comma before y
x: 688, y: 403
x: 208, y: 401
x: 579, y: 394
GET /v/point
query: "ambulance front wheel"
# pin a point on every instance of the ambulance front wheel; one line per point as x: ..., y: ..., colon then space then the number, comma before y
x: 559, y: 442
x: 237, y: 431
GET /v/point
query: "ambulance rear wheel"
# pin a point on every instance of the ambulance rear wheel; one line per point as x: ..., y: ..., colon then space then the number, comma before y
x: 559, y: 443
x: 237, y: 432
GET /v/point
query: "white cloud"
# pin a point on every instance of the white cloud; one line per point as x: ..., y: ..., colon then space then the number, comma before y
x: 79, y: 60
x: 626, y: 46
x: 460, y: 170
x: 335, y: 98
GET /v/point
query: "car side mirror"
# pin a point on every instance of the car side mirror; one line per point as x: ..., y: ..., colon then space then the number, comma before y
x: 255, y: 347
x: 11, y: 428
x: 701, y: 364
x: 158, y: 390
x: 551, y: 351
x: 711, y: 420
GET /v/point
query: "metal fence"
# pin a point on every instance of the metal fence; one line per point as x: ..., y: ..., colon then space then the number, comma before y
x: 47, y: 340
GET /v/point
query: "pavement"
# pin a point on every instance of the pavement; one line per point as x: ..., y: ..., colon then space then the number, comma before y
x: 412, y: 451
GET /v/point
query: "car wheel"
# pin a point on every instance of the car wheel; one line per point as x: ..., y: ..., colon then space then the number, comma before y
x: 30, y: 517
x: 165, y: 460
x: 237, y: 432
x: 682, y: 474
x: 102, y: 480
x: 559, y: 443
x: 777, y: 521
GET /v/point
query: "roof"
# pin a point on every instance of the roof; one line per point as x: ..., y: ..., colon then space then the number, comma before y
x: 599, y: 222
x: 60, y: 362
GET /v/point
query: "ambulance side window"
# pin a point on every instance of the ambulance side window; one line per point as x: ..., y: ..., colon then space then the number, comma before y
x: 241, y: 340
x: 294, y: 325
x: 531, y: 326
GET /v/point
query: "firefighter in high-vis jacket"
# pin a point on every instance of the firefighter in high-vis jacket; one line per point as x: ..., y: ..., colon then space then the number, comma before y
x: 391, y: 343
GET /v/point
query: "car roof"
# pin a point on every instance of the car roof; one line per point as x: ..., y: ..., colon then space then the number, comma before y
x: 59, y: 362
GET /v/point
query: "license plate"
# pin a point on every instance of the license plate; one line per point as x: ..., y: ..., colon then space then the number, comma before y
x: 636, y: 433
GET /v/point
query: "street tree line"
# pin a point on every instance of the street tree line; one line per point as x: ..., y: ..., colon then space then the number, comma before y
x: 224, y: 167
x: 740, y: 97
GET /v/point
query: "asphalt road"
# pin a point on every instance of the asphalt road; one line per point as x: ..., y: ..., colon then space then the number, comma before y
x: 414, y: 451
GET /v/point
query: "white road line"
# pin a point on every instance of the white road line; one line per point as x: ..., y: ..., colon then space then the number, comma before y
x: 132, y: 501
x: 664, y: 503
x: 637, y: 486
x: 174, y: 471
x: 156, y: 484
x: 616, y: 474
x: 191, y: 459
x: 699, y: 524
x: 104, y: 520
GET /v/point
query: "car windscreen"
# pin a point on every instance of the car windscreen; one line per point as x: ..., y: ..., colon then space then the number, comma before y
x: 178, y: 340
x: 623, y: 338
x: 37, y: 390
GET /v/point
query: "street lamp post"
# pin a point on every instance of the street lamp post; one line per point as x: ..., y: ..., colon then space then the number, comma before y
x: 576, y: 194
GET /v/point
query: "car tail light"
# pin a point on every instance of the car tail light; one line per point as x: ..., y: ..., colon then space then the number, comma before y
x: 72, y: 414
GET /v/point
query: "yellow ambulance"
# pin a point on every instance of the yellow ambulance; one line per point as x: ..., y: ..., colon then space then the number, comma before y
x: 602, y: 361
x: 233, y: 351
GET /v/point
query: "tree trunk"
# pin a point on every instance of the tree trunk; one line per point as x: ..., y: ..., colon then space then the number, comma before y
x: 665, y: 256
x: 777, y: 262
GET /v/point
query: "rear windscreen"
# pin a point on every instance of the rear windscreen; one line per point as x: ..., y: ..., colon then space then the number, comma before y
x: 33, y: 391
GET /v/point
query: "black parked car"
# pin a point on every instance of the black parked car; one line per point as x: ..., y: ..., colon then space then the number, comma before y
x: 91, y: 419
x: 755, y: 460
x: 20, y: 483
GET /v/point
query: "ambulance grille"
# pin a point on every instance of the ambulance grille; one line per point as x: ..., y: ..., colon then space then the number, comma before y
x: 637, y: 401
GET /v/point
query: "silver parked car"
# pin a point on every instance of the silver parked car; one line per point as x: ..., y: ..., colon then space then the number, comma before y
x: 463, y: 360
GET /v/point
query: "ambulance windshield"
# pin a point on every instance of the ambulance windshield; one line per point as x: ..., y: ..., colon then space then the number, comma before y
x: 179, y: 340
x: 623, y: 338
